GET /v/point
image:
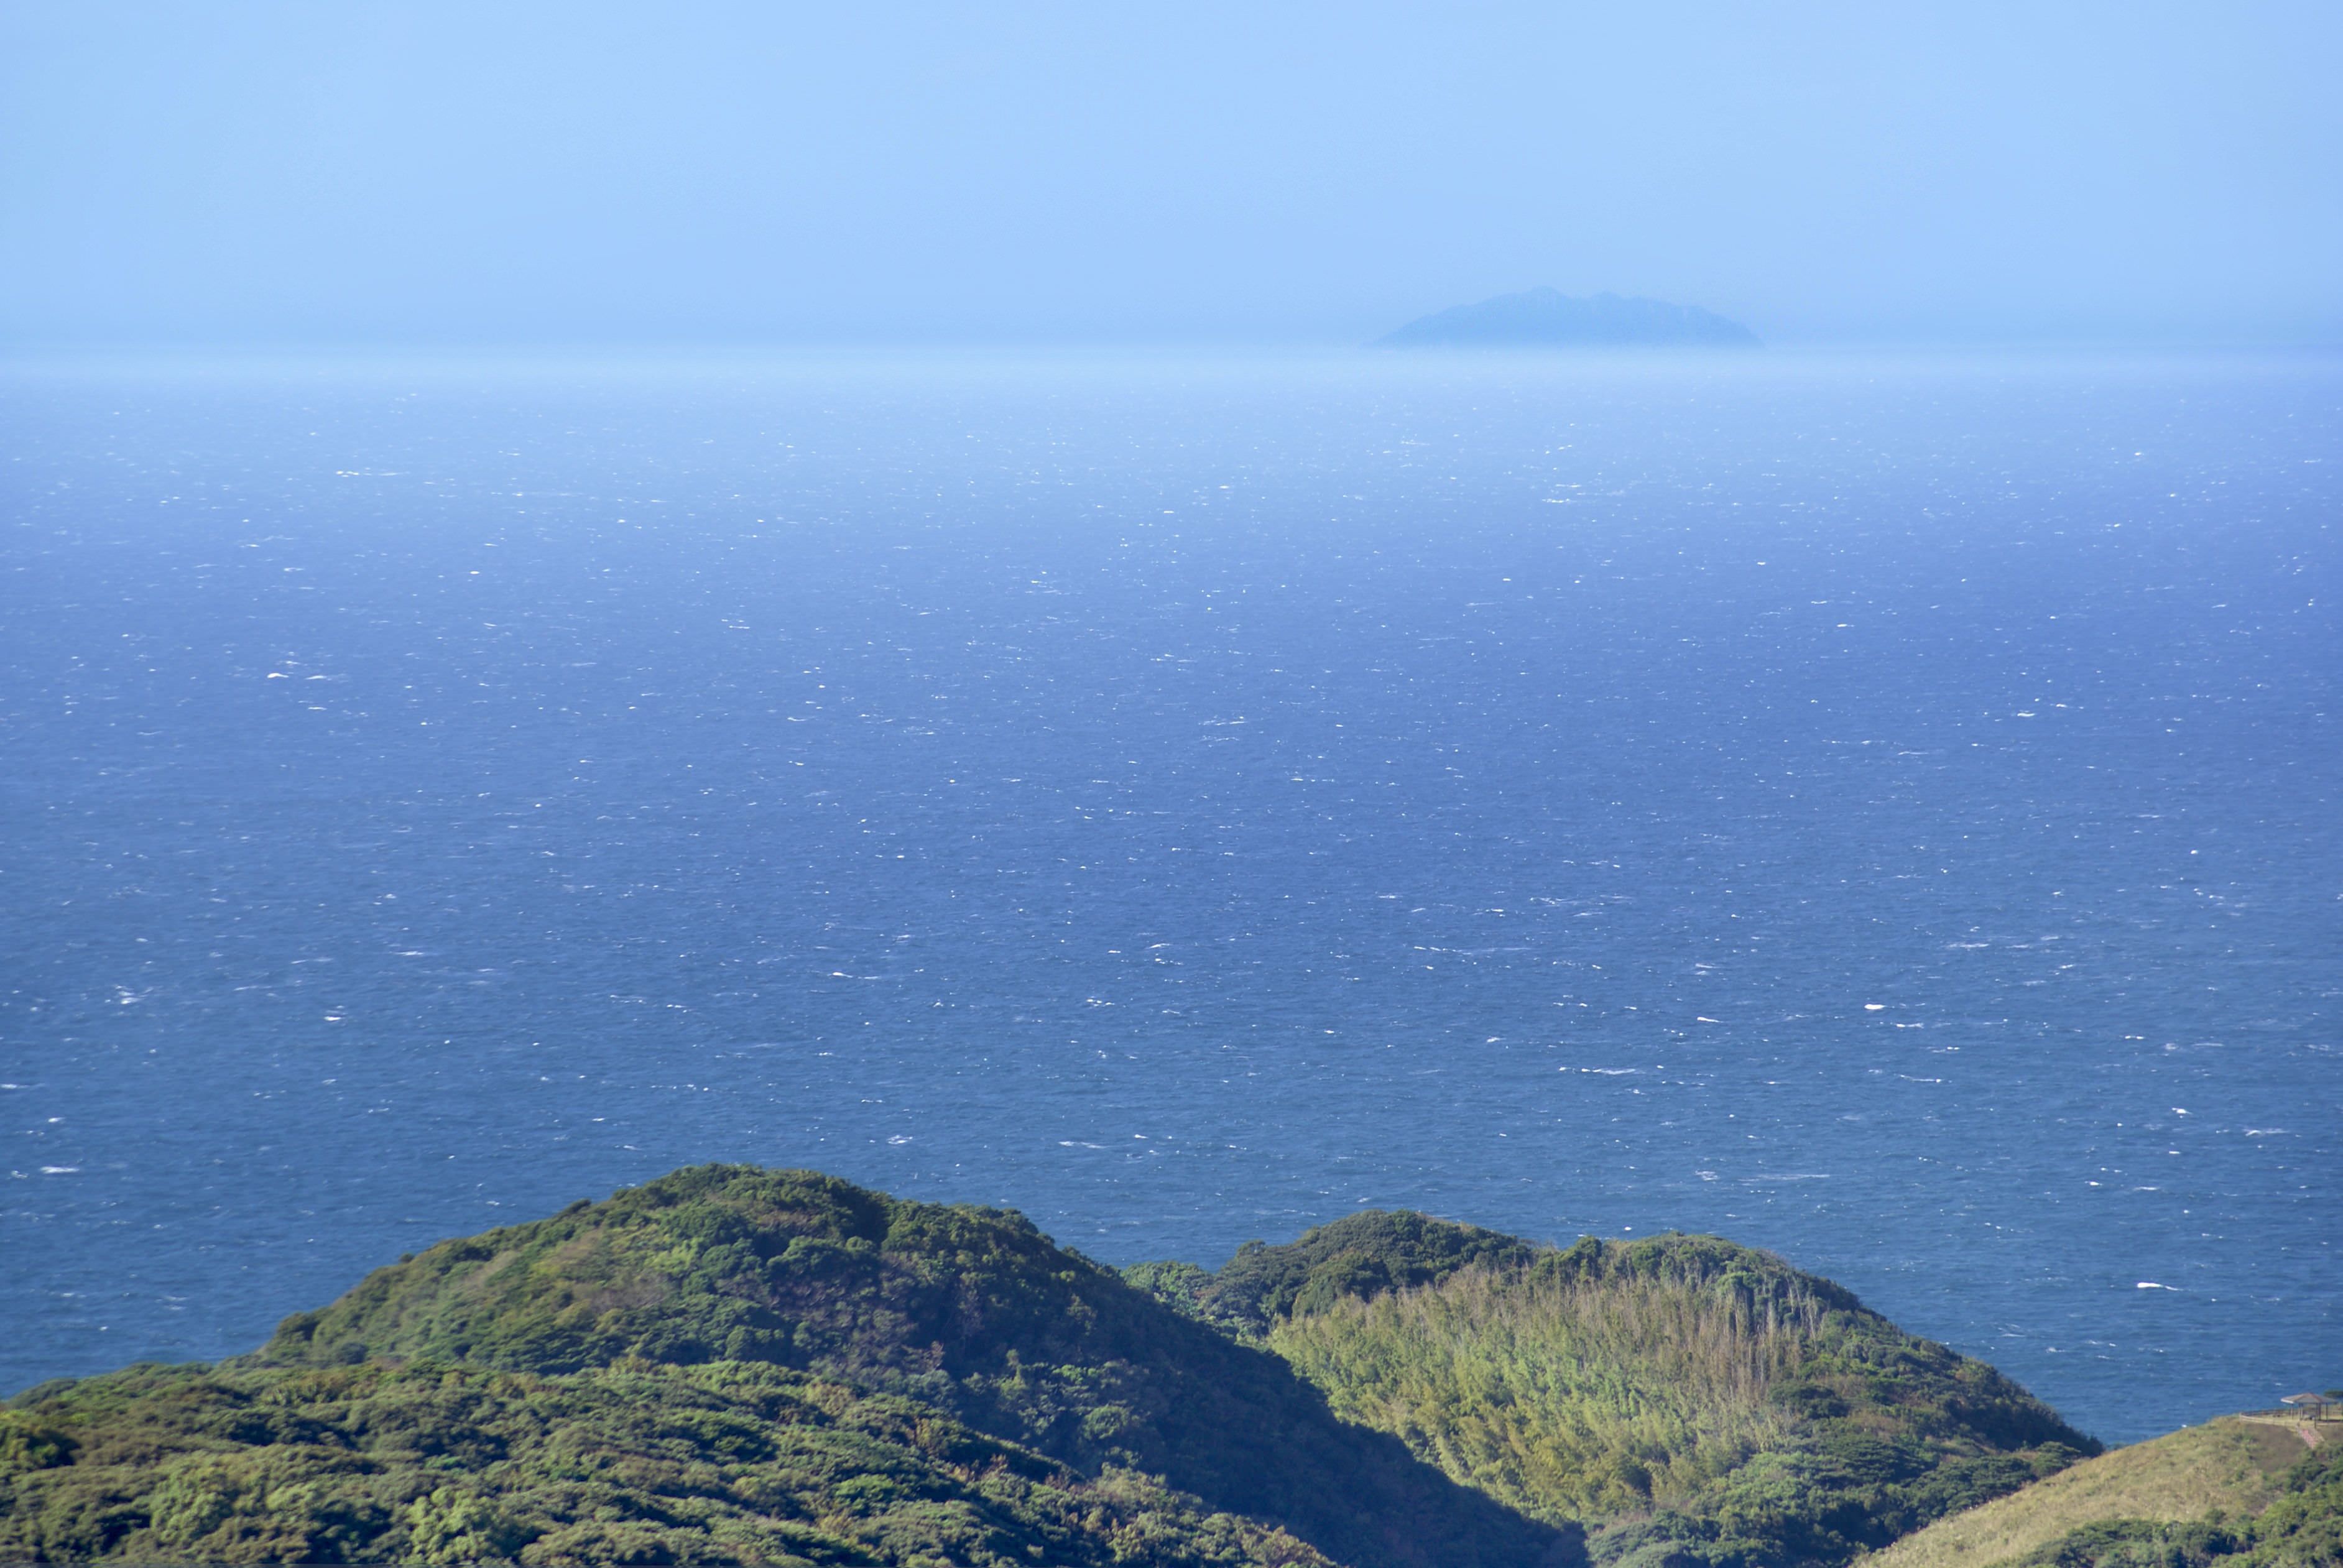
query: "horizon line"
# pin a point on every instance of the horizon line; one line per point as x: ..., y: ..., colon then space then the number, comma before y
x: 175, y: 346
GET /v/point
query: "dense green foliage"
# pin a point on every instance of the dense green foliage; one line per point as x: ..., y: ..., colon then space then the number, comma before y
x: 971, y: 1313
x: 1707, y: 1402
x: 1357, y: 1257
x: 2305, y: 1527
x: 2136, y: 1543
x: 445, y: 1464
x: 731, y: 1364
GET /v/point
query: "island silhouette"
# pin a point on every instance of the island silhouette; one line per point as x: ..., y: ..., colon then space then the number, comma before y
x: 1549, y: 319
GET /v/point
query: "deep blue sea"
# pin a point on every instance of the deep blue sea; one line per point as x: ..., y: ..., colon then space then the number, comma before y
x: 1881, y: 810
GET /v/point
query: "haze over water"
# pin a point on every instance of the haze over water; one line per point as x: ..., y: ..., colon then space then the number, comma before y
x: 1877, y: 809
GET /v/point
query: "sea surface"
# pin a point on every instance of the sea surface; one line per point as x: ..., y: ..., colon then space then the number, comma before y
x: 1880, y: 810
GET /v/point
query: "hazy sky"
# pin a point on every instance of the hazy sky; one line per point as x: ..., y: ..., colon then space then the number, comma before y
x: 713, y: 173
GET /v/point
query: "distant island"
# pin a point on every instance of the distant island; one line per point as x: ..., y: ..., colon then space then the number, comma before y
x: 1548, y: 318
x: 735, y: 1365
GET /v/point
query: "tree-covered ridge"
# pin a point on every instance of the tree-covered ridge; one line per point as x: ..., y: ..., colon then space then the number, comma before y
x: 733, y: 1364
x: 1706, y: 1401
x: 970, y: 1310
x: 1358, y: 1256
x: 439, y: 1463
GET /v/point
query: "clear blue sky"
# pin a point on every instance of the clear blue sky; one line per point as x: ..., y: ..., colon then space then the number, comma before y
x: 586, y: 172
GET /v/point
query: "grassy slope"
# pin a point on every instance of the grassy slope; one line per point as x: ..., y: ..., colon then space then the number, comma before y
x: 1706, y: 1402
x: 2234, y: 1466
x: 971, y: 1313
x: 438, y: 1464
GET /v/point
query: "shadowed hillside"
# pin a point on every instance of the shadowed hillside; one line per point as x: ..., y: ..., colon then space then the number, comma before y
x: 1707, y: 1402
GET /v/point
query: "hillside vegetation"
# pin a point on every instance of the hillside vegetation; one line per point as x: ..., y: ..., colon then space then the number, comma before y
x: 1705, y: 1403
x: 971, y: 1313
x: 441, y: 1464
x: 739, y: 1365
x: 2229, y: 1466
x: 2236, y: 1492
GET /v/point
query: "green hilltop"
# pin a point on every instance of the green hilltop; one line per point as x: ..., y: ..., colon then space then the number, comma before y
x: 740, y: 1366
x: 1692, y: 1401
x: 968, y: 1314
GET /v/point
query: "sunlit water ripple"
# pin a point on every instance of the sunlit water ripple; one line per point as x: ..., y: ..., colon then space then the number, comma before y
x: 1879, y: 811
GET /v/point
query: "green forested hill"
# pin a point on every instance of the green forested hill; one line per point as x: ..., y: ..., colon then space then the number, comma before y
x: 971, y: 1313
x: 1695, y: 1401
x: 732, y: 1364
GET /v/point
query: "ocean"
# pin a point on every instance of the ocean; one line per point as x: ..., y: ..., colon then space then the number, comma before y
x: 1879, y: 809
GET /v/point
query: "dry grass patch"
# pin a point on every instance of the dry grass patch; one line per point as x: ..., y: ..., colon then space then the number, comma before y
x: 2228, y: 1464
